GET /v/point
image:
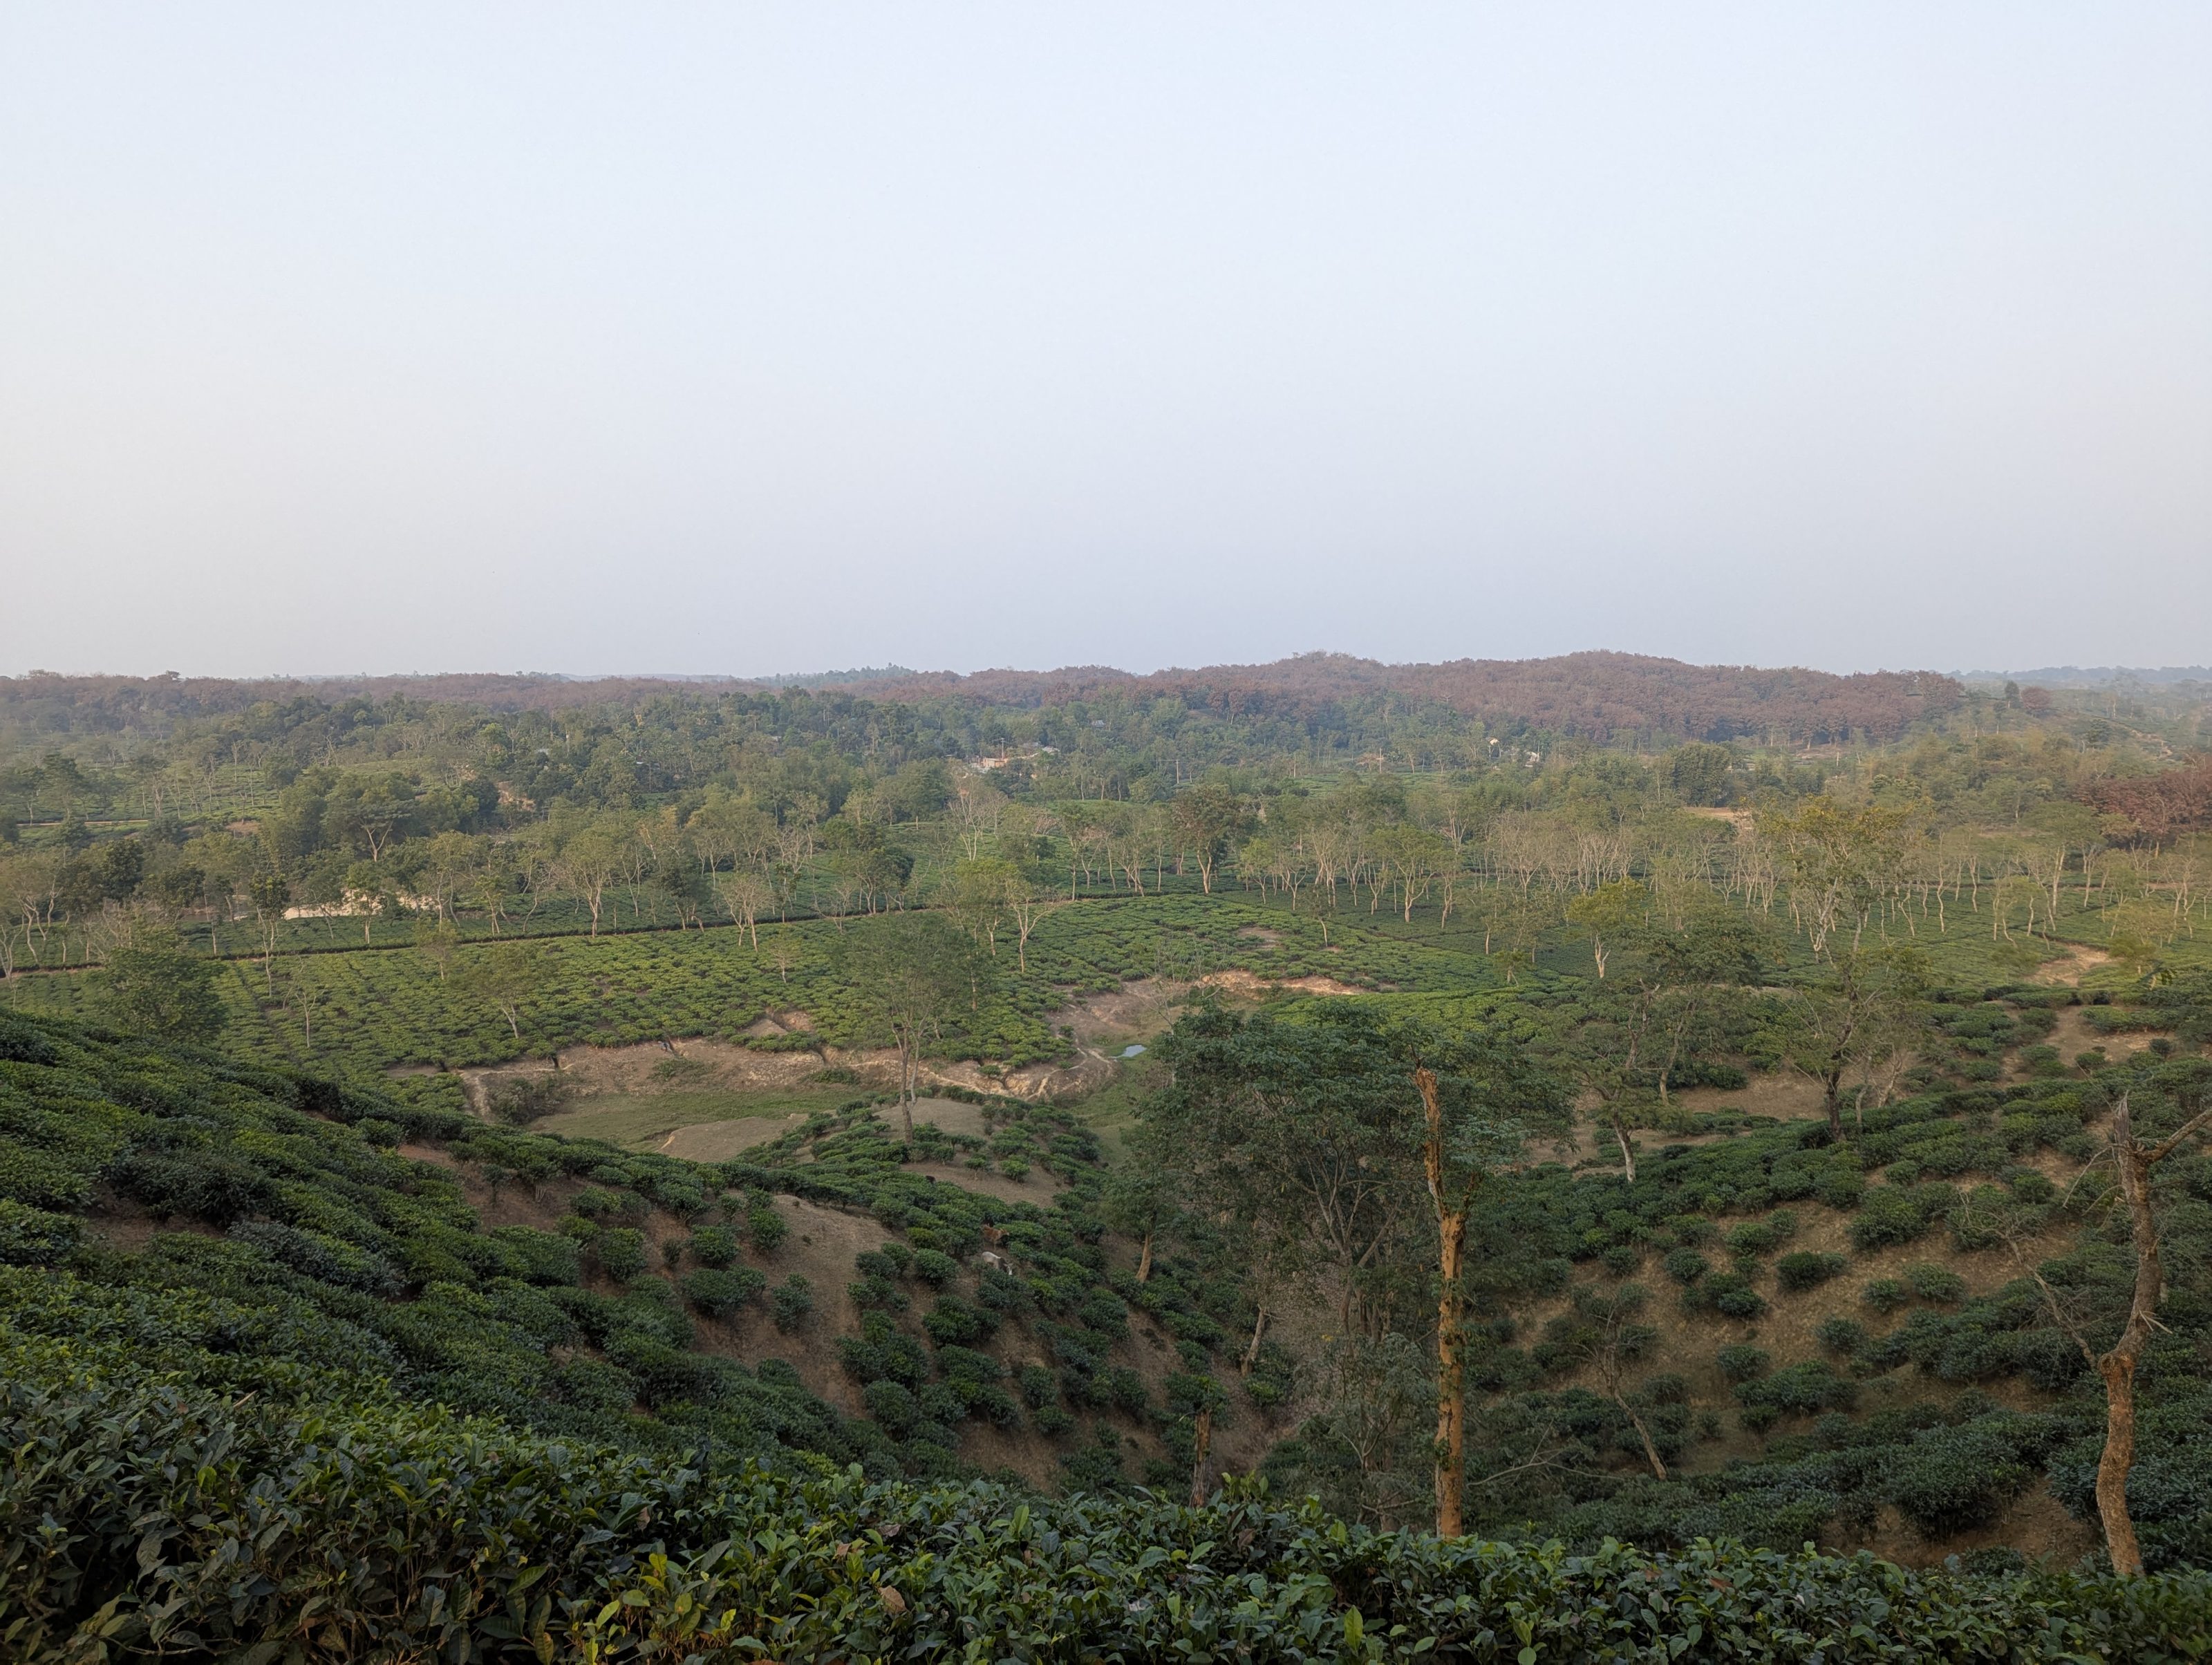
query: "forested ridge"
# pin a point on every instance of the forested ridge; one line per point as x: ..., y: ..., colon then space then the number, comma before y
x: 1106, y: 1167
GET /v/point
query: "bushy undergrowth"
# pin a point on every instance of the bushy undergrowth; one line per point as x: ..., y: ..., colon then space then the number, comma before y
x: 284, y: 1201
x: 146, y: 1516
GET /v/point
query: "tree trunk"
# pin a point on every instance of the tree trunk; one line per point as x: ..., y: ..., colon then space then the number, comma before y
x: 1451, y: 1379
x: 2118, y: 1367
x: 1252, y: 1352
x: 1144, y: 1260
x: 1451, y: 1360
x: 1627, y: 1150
x: 1650, y: 1452
x: 1205, y: 1443
x: 906, y: 1091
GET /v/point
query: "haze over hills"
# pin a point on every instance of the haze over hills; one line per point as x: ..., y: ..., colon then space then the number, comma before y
x: 1596, y: 696
x: 2094, y: 675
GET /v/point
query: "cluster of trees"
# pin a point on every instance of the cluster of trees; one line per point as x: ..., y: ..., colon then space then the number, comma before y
x: 1346, y: 1159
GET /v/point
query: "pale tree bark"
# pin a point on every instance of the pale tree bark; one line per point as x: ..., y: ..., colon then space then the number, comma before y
x: 1252, y: 1351
x: 2115, y: 1366
x: 2118, y: 1366
x: 1451, y: 1360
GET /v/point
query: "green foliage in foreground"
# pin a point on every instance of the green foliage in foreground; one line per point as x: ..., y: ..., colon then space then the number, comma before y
x: 144, y: 1517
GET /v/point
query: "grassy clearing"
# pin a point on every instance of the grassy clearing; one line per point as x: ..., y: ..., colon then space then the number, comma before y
x: 639, y: 1119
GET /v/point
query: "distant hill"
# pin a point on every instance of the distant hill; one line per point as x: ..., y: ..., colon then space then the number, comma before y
x: 833, y: 678
x: 2094, y: 676
x: 1597, y: 695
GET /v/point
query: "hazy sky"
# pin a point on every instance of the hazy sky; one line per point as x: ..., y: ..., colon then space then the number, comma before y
x: 743, y: 338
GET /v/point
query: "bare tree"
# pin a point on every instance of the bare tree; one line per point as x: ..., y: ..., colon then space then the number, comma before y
x: 2133, y: 1159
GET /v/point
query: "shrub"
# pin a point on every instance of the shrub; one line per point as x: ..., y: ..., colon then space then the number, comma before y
x: 714, y: 1246
x: 1729, y: 1294
x: 540, y: 1257
x: 1039, y: 1386
x: 1122, y: 1388
x: 621, y: 1252
x: 1885, y: 1294
x: 1685, y: 1266
x: 765, y: 1226
x: 593, y: 1203
x: 1952, y: 1480
x: 519, y: 1099
x: 721, y: 1294
x: 32, y: 1236
x: 953, y: 1322
x: 877, y: 1293
x: 934, y: 1267
x: 892, y: 1406
x: 1740, y: 1361
x: 204, y: 1185
x: 1799, y: 1390
x: 1898, y: 1214
x: 1752, y: 1238
x: 1803, y: 1269
x: 1934, y: 1282
x: 1843, y: 1336
x: 791, y: 1301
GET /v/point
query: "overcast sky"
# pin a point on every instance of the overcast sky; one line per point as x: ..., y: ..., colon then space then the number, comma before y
x: 741, y: 338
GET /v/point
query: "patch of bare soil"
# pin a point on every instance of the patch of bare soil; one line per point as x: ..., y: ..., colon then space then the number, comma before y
x: 628, y: 1071
x: 1141, y: 1007
x: 1037, y: 1186
x: 719, y: 1141
x: 947, y: 1115
x: 1780, y: 1093
x: 2072, y: 965
x: 2072, y: 1035
x: 130, y: 1233
x: 2035, y: 1523
x: 820, y: 1247
x: 1253, y: 986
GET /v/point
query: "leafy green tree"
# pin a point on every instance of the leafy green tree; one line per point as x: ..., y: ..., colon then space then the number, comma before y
x: 1842, y: 861
x: 1204, y: 818
x: 913, y: 976
x: 1870, y: 1005
x: 156, y: 989
x: 270, y: 895
x: 1300, y: 1133
x: 1143, y: 1201
x: 978, y: 896
x: 1624, y: 1041
x: 1699, y: 772
x: 1609, y: 913
x: 1479, y: 1094
x: 506, y: 975
x: 590, y: 861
